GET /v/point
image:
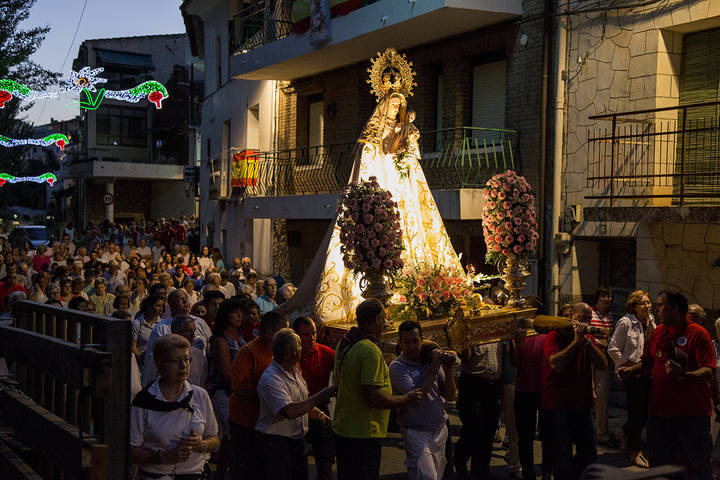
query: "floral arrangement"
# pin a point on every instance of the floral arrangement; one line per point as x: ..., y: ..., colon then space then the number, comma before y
x: 509, y: 220
x: 370, y: 231
x: 426, y: 290
x: 401, y: 165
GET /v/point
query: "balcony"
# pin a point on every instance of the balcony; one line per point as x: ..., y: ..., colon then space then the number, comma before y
x: 257, y: 25
x: 455, y: 158
x: 650, y: 161
x: 125, y: 163
x: 265, y: 45
x: 660, y: 157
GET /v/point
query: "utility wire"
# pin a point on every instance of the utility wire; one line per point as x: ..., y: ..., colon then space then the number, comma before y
x: 67, y: 55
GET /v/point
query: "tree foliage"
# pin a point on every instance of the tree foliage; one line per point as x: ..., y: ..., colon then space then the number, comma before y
x: 16, y: 46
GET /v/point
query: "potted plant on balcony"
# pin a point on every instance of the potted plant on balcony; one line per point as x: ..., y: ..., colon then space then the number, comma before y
x: 510, y: 229
x: 370, y: 235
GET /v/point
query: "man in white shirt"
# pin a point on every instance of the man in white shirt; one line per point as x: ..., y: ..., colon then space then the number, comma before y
x: 245, y: 269
x: 144, y: 250
x: 225, y: 286
x: 179, y: 305
x: 184, y: 325
x: 284, y: 410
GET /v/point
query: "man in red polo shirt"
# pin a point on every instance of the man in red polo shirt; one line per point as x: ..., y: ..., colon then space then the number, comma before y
x: 681, y: 358
x: 8, y: 285
x: 567, y: 394
x: 316, y: 364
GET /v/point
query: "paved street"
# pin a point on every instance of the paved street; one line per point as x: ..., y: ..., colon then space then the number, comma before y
x: 393, y: 454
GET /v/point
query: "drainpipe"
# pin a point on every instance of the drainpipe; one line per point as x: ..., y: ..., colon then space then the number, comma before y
x: 542, y: 201
x: 559, y: 122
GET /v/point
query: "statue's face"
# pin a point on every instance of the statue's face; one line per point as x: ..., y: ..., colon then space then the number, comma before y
x: 393, y: 108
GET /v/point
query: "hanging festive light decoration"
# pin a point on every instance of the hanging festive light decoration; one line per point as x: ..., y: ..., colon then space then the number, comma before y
x: 154, y: 91
x: 45, y: 177
x: 56, y: 138
x: 84, y: 81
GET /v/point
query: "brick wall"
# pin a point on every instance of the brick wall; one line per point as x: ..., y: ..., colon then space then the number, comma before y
x: 348, y: 102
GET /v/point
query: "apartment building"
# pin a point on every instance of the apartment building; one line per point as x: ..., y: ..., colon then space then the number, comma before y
x: 640, y: 170
x: 478, y: 102
x: 130, y: 159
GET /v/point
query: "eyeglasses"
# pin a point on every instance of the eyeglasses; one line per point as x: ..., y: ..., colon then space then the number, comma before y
x: 179, y: 361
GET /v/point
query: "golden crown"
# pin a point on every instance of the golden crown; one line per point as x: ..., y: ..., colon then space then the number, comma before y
x: 390, y: 73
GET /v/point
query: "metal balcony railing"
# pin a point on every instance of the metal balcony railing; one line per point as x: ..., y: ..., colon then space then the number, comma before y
x: 128, y: 156
x: 259, y: 24
x: 661, y: 157
x: 453, y: 158
x: 466, y: 157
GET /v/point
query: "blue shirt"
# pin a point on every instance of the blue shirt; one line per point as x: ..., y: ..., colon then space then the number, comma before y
x: 265, y: 304
x: 430, y: 413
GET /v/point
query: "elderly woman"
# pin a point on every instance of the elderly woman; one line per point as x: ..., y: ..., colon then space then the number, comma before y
x: 39, y: 283
x: 625, y: 349
x: 284, y: 410
x: 189, y: 285
x: 102, y: 300
x: 172, y: 424
x: 52, y: 291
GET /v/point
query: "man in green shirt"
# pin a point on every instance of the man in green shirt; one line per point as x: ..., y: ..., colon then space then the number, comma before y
x: 364, y: 397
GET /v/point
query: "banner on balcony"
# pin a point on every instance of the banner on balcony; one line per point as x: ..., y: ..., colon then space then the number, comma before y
x: 244, y: 169
x: 305, y: 16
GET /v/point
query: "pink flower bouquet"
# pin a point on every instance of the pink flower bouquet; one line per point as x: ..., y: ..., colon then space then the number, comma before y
x: 370, y: 231
x: 430, y: 290
x: 509, y: 220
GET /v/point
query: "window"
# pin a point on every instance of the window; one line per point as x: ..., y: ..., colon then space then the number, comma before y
x: 439, y: 111
x: 315, y: 120
x: 253, y: 128
x: 488, y: 97
x: 699, y: 82
x: 218, y: 64
x: 122, y: 127
x: 225, y: 159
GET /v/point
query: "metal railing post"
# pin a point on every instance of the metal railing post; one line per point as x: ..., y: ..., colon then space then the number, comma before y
x: 612, y: 161
x: 682, y: 156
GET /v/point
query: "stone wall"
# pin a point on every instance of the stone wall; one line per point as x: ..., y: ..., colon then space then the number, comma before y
x: 681, y: 257
x: 622, y: 61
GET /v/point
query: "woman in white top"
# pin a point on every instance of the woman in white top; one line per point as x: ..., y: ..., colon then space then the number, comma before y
x: 189, y: 285
x: 172, y: 423
x: 151, y: 311
x: 626, y: 348
x: 206, y: 263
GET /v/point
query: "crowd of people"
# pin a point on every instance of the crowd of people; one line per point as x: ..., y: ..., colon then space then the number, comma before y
x: 219, y: 372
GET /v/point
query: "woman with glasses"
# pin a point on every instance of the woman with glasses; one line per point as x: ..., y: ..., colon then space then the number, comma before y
x: 626, y: 348
x: 172, y: 424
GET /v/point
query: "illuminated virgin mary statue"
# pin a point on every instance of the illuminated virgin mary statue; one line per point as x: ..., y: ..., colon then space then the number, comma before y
x: 388, y: 150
